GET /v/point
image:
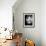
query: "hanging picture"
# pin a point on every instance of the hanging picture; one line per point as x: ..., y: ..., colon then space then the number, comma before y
x: 29, y: 20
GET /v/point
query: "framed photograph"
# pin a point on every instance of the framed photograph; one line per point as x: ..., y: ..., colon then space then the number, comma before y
x: 29, y: 20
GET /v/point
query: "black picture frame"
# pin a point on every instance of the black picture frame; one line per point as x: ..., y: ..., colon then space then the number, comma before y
x: 29, y: 20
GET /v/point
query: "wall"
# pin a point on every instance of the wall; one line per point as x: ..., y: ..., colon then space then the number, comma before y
x: 43, y: 22
x: 6, y: 13
x: 28, y: 6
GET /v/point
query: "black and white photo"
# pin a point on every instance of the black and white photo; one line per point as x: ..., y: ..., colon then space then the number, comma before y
x: 29, y: 19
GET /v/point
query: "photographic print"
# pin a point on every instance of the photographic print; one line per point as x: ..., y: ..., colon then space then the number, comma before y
x: 29, y: 20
